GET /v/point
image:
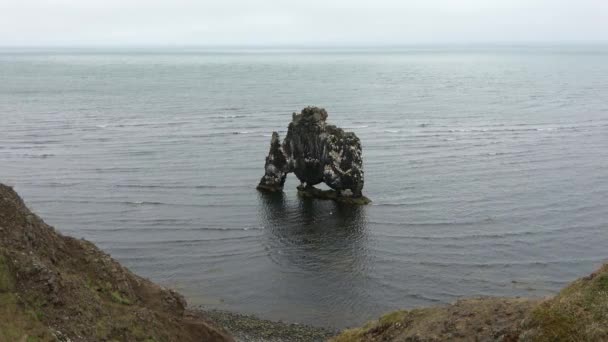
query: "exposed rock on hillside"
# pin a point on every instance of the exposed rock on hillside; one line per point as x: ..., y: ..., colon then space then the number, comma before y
x: 316, y: 152
x: 54, y: 287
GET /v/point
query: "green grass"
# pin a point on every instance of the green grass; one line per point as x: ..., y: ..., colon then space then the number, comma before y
x: 385, y: 322
x: 578, y: 313
x: 393, y: 317
x: 6, y: 278
x: 16, y: 322
x: 16, y: 319
x: 119, y: 298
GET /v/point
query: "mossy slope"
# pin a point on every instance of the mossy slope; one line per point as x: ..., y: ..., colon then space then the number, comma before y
x: 578, y: 313
x: 17, y: 321
x: 54, y: 287
x: 476, y: 319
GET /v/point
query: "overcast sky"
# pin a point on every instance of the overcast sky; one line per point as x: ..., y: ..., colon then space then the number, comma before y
x: 297, y: 22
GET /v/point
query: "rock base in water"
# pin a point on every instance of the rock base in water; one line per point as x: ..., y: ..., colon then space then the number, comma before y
x: 269, y: 188
x: 312, y: 192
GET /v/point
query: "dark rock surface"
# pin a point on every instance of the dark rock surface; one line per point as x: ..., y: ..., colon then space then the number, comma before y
x: 276, y: 167
x: 316, y: 152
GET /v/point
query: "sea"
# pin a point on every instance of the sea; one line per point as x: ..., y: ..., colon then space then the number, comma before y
x: 487, y: 167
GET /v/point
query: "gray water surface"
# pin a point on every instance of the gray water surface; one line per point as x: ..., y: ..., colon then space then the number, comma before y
x: 488, y: 168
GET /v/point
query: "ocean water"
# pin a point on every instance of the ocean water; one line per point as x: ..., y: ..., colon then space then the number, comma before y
x: 487, y: 167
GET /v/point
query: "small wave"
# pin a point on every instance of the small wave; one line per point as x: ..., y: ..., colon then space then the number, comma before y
x: 228, y: 116
x: 510, y: 264
x: 117, y: 169
x: 210, y: 186
x: 133, y: 203
x: 138, y: 186
x: 144, y: 203
x: 211, y: 239
x: 153, y: 124
x: 59, y: 185
x: 38, y: 156
x: 43, y: 142
x: 157, y: 226
x: 172, y: 186
x: 429, y: 224
x: 472, y: 236
x: 517, y: 128
x: 231, y: 228
x: 97, y: 139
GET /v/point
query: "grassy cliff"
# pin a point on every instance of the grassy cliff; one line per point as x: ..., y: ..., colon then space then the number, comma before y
x: 578, y: 313
x: 57, y: 288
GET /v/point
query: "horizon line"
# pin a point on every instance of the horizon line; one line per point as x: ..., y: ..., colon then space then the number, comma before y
x: 311, y: 45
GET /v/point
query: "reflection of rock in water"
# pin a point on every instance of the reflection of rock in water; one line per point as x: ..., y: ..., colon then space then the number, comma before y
x: 315, y: 236
x: 316, y: 153
x: 318, y: 259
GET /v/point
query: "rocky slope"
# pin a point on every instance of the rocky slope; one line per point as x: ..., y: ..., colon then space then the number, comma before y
x: 57, y: 288
x: 578, y: 313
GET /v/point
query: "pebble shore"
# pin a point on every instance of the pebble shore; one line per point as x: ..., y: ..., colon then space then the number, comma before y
x: 249, y: 328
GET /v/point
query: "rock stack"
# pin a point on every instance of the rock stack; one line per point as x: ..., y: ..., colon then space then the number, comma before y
x: 316, y: 152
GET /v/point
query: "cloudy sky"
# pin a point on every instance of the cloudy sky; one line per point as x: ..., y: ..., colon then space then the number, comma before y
x: 298, y: 22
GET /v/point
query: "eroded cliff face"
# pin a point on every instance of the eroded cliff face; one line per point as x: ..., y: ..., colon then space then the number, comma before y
x: 315, y: 152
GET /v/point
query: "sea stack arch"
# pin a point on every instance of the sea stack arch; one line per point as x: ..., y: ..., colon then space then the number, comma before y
x: 316, y: 152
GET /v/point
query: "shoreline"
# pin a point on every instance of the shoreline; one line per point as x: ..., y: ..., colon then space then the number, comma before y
x: 54, y: 287
x: 250, y: 328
